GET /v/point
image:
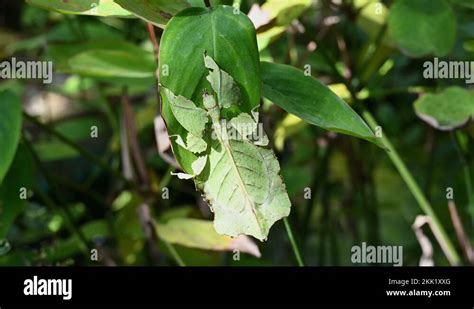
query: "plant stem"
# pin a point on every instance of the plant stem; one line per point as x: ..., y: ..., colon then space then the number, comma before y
x: 293, y: 242
x: 467, y: 174
x: 412, y: 185
x: 174, y: 253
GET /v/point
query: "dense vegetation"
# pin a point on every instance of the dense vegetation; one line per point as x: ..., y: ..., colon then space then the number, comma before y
x: 357, y: 130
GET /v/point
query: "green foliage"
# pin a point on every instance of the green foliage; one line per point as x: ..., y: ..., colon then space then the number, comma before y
x: 14, y: 191
x: 201, y: 234
x: 310, y: 100
x: 243, y: 185
x: 10, y: 127
x: 448, y: 110
x: 181, y: 56
x: 82, y: 170
x: 155, y: 11
x: 85, y: 7
x: 423, y: 27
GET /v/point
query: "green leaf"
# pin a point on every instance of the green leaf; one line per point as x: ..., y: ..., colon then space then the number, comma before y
x: 10, y: 126
x: 447, y: 110
x: 421, y: 27
x: 54, y: 151
x: 82, y: 7
x: 312, y: 101
x: 156, y: 12
x: 19, y: 179
x: 200, y: 234
x: 217, y: 31
x: 112, y: 64
x: 465, y: 3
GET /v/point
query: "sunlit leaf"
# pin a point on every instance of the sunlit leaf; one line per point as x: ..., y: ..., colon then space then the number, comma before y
x: 200, y: 234
x: 83, y: 7
x: 312, y: 101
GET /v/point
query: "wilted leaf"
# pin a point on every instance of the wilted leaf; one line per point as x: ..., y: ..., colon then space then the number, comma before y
x: 421, y: 27
x: 447, y: 110
x: 200, y: 234
x: 10, y: 126
x: 312, y: 101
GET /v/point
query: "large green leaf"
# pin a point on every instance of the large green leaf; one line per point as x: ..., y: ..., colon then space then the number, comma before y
x: 156, y: 12
x: 312, y: 101
x: 18, y: 178
x: 421, y: 27
x: 111, y: 63
x: 83, y: 7
x: 448, y: 110
x: 10, y: 126
x: 200, y: 234
x: 229, y: 39
x: 111, y: 59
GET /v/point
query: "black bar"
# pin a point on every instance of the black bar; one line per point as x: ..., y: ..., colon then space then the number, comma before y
x: 287, y: 285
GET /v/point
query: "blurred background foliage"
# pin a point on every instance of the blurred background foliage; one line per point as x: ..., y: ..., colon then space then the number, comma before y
x: 84, y: 191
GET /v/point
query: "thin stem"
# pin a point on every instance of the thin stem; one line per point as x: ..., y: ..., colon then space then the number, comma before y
x: 174, y: 254
x: 414, y: 188
x: 293, y: 243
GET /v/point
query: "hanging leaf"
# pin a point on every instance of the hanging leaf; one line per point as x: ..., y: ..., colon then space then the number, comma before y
x: 157, y: 12
x: 200, y: 234
x: 312, y: 101
x: 112, y: 64
x: 448, y: 110
x: 421, y: 27
x: 243, y: 185
x: 189, y: 35
x: 10, y: 126
x: 82, y: 7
